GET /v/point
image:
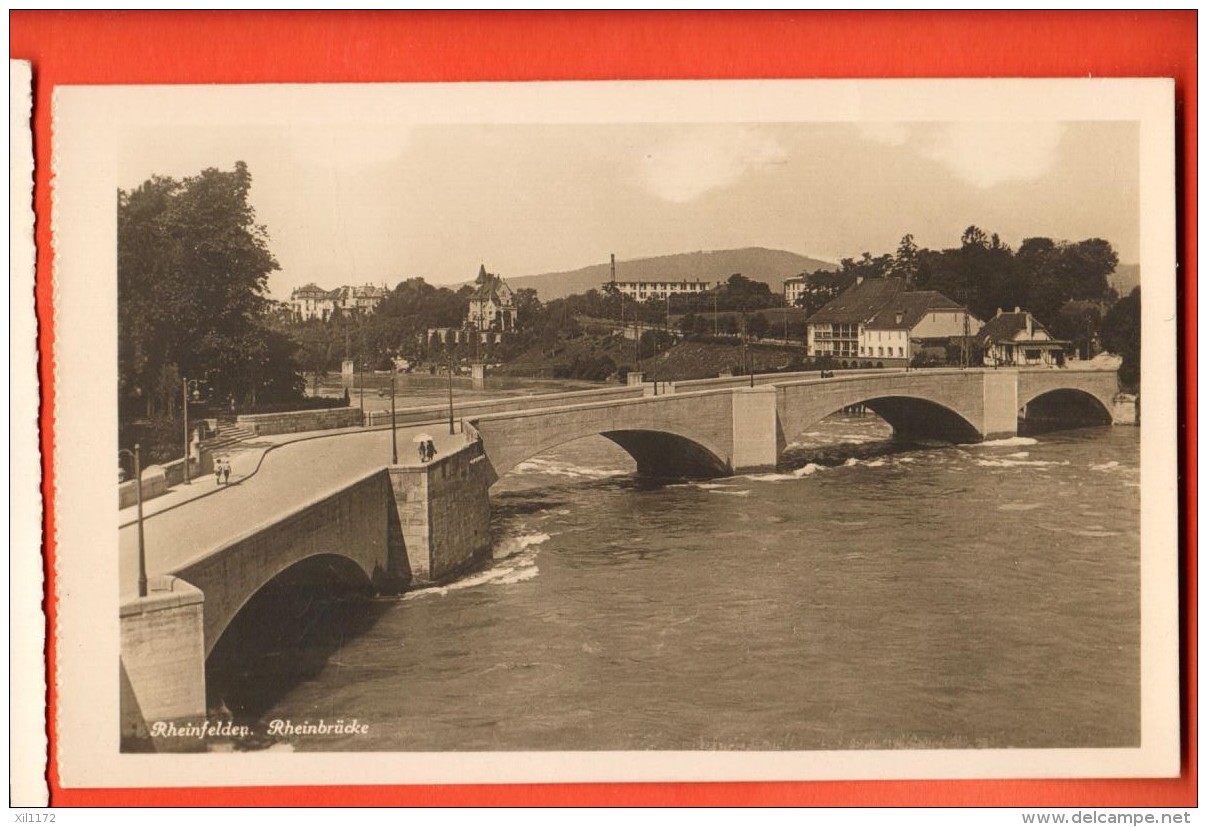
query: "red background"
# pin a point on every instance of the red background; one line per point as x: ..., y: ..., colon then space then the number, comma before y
x: 264, y: 47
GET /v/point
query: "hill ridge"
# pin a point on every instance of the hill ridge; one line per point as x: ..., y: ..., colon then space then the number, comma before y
x: 764, y: 264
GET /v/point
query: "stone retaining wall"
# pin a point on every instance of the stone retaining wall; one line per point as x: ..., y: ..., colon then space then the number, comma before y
x: 295, y: 422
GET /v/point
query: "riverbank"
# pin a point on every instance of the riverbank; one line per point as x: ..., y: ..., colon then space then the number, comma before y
x: 677, y: 362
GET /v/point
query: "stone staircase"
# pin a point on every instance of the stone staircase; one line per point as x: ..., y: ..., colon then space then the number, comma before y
x: 226, y: 435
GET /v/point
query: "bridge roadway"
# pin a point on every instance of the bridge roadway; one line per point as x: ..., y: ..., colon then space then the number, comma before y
x: 290, y: 476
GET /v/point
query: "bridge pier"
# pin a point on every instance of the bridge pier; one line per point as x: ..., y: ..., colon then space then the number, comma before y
x: 162, y: 666
x: 443, y: 514
x: 1001, y: 404
x: 755, y: 432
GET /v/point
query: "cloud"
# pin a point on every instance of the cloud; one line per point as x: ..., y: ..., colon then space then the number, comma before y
x: 985, y: 154
x: 706, y: 158
x: 348, y: 145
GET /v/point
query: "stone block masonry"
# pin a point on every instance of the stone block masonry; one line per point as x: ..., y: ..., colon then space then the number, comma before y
x: 162, y: 662
x: 296, y: 422
x: 444, y: 513
x: 755, y: 446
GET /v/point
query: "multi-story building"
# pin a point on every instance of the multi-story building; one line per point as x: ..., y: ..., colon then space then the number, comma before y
x: 492, y: 304
x: 643, y: 289
x: 879, y: 322
x: 362, y: 299
x: 794, y: 288
x: 313, y: 302
x: 659, y: 289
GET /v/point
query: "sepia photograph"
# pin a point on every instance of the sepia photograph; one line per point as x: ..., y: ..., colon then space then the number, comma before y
x: 784, y: 429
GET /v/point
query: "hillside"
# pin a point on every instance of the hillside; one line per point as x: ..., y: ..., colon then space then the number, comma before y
x: 686, y: 360
x: 758, y: 263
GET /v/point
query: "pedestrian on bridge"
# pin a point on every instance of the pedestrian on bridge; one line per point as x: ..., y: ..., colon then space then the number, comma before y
x: 430, y: 447
x: 226, y: 472
x: 218, y: 471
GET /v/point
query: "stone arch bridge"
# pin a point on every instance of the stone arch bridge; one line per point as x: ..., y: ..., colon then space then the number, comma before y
x: 714, y: 432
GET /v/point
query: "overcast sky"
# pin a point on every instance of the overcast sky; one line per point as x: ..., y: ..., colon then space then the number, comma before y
x: 350, y: 204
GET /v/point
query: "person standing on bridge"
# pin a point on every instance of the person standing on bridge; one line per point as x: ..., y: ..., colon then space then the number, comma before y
x: 218, y: 471
x: 226, y: 472
x: 430, y: 447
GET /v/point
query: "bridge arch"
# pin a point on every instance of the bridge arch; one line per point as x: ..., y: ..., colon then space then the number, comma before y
x: 915, y: 417
x: 1060, y: 408
x: 326, y: 572
x: 660, y: 452
x: 274, y: 619
x: 916, y: 406
x: 677, y: 435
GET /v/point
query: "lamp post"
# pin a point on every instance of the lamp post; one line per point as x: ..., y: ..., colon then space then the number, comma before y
x: 142, y: 551
x: 637, y: 336
x: 746, y: 349
x: 184, y: 386
x: 450, y: 393
x: 393, y: 421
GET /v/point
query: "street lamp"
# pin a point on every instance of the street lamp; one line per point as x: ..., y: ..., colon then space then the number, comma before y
x: 142, y: 552
x: 184, y: 386
x: 450, y: 393
x: 393, y: 421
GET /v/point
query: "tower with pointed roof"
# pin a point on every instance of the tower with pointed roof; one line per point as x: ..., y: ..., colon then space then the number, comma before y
x: 492, y: 304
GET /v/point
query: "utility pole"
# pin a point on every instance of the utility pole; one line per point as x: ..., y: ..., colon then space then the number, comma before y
x: 964, y: 339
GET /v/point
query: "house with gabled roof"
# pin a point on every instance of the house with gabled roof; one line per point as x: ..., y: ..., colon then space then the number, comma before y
x: 492, y: 303
x: 1016, y: 338
x: 879, y: 322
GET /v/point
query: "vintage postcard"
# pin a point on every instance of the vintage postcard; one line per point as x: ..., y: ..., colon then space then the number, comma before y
x: 615, y: 431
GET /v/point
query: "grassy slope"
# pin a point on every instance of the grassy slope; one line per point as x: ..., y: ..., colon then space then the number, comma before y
x: 687, y: 360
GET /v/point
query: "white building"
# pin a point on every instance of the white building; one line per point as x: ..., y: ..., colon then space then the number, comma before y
x: 658, y: 289
x: 794, y: 288
x: 879, y: 322
x: 313, y: 302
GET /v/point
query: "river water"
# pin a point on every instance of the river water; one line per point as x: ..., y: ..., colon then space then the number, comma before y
x: 870, y: 596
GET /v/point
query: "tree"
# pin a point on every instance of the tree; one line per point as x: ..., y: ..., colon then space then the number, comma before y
x: 1079, y: 322
x: 974, y: 236
x: 905, y: 263
x: 758, y: 325
x: 866, y: 267
x: 687, y: 323
x: 1121, y: 336
x: 193, y: 269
